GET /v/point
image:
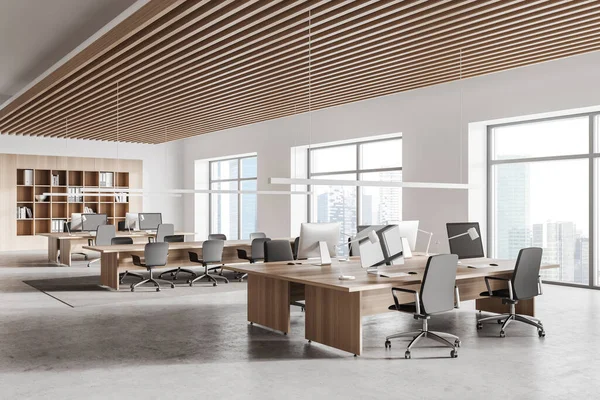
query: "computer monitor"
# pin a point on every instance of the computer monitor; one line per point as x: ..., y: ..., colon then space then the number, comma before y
x: 363, y: 232
x: 391, y: 243
x: 149, y: 221
x: 310, y: 236
x: 75, y: 222
x: 409, y: 230
x: 131, y: 221
x: 464, y: 246
x: 90, y: 222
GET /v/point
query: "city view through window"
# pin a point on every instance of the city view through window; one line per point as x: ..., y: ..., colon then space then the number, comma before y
x: 541, y: 194
x: 379, y: 160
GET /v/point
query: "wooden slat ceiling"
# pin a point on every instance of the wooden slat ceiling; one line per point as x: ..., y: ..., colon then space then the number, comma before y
x: 176, y: 69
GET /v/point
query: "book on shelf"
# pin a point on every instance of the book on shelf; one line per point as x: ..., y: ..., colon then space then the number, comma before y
x: 74, y: 195
x: 24, y: 213
x: 121, y: 197
x: 55, y: 180
x: 106, y: 179
x: 58, y: 225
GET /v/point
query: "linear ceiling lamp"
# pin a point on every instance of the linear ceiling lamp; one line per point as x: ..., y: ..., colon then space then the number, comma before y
x: 94, y: 194
x: 342, y: 182
x: 131, y: 192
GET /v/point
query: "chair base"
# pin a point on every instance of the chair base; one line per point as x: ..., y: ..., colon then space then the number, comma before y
x: 298, y: 304
x: 153, y: 281
x: 93, y: 261
x: 440, y: 337
x: 176, y: 271
x: 241, y: 277
x: 209, y: 277
x: 122, y: 276
x: 506, y: 319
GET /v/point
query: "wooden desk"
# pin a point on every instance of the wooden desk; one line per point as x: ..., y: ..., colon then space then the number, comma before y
x: 115, y: 259
x: 334, y: 308
x: 65, y: 243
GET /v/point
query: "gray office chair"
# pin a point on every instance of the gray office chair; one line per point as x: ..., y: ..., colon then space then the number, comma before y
x: 280, y: 250
x: 174, y: 272
x: 435, y: 296
x: 257, y: 235
x: 524, y: 284
x: 257, y: 253
x: 217, y: 236
x: 155, y: 255
x: 164, y: 230
x: 104, y: 236
x: 212, y: 253
x: 124, y: 240
x: 67, y: 228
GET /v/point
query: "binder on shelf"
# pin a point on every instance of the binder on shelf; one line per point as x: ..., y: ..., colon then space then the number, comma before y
x: 28, y: 177
x: 24, y: 213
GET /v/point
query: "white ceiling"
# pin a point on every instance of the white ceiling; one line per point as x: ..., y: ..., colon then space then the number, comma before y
x: 35, y: 34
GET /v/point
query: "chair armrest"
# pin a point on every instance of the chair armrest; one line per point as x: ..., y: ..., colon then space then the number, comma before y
x: 242, y: 254
x: 90, y: 242
x: 194, y: 257
x: 456, y: 297
x: 496, y: 278
x: 137, y: 260
x: 417, y: 300
x: 540, y: 290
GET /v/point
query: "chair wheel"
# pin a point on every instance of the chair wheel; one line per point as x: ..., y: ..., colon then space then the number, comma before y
x: 388, y: 344
x: 407, y: 355
x: 454, y: 353
x: 158, y: 289
x: 214, y: 283
x: 500, y: 321
x: 240, y: 280
x: 457, y: 343
x: 172, y: 286
x: 479, y: 326
x: 191, y: 284
x: 133, y: 289
x: 541, y: 333
x: 502, y: 334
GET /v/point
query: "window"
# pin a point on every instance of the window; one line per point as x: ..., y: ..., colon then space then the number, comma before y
x: 540, y: 186
x: 377, y: 160
x: 233, y: 214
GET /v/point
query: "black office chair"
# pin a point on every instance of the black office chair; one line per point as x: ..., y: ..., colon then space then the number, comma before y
x: 124, y: 240
x: 217, y: 236
x: 525, y: 284
x: 295, y: 249
x: 435, y: 296
x: 67, y: 228
x: 257, y: 253
x: 155, y: 255
x: 174, y: 272
x: 278, y: 251
x: 121, y: 226
x: 212, y: 253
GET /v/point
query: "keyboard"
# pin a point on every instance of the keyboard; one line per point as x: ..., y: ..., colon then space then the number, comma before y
x: 393, y: 274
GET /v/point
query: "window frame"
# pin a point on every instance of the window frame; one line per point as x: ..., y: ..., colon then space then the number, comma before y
x: 357, y: 171
x: 239, y: 181
x: 593, y: 157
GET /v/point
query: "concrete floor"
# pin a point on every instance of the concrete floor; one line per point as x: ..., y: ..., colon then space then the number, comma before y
x: 195, y: 342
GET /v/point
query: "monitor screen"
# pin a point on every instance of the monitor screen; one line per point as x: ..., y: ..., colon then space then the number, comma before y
x: 149, y: 221
x: 75, y: 222
x: 131, y: 221
x: 463, y: 246
x: 392, y: 244
x: 313, y: 233
x: 90, y: 222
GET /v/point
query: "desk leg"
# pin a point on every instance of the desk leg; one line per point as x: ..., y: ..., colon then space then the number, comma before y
x: 53, y: 247
x: 269, y: 302
x: 65, y: 252
x: 525, y: 307
x: 109, y: 270
x: 333, y: 318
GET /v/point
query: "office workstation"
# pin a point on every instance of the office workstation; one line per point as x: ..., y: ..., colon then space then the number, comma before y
x: 314, y: 199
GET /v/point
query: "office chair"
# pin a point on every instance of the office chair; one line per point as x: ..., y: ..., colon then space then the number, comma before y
x: 435, y: 296
x: 217, y: 236
x: 257, y: 253
x: 104, y: 236
x: 121, y: 226
x: 164, y: 230
x: 67, y: 228
x: 174, y: 272
x: 295, y: 249
x: 524, y: 284
x: 280, y: 250
x: 212, y: 253
x: 155, y: 255
x: 124, y: 240
x: 257, y: 235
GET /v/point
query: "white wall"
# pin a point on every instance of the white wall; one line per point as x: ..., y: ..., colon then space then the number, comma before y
x: 162, y: 164
x: 434, y: 123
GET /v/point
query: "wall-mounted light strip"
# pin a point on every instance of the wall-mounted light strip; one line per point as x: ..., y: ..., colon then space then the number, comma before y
x: 342, y: 182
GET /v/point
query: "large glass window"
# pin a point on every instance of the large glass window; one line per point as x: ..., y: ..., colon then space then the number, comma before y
x: 377, y: 160
x: 540, y: 193
x: 233, y: 214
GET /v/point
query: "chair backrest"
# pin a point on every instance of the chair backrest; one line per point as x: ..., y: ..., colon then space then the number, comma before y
x: 296, y: 244
x: 212, y: 251
x: 67, y: 227
x: 257, y: 235
x: 437, y: 287
x: 278, y: 250
x: 121, y: 240
x: 527, y: 271
x: 258, y: 248
x: 155, y: 254
x: 121, y: 226
x: 105, y: 234
x: 174, y: 239
x: 217, y: 236
x: 164, y: 230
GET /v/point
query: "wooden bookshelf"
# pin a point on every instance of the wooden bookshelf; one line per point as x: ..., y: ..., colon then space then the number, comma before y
x: 59, y: 208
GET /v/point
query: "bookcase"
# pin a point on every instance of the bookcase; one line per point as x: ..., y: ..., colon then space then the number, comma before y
x: 50, y: 214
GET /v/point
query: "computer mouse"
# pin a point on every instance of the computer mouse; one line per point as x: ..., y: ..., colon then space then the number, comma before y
x: 291, y: 264
x: 493, y: 265
x: 412, y: 273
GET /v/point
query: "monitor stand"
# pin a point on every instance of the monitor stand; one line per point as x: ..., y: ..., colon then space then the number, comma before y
x: 324, y: 252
